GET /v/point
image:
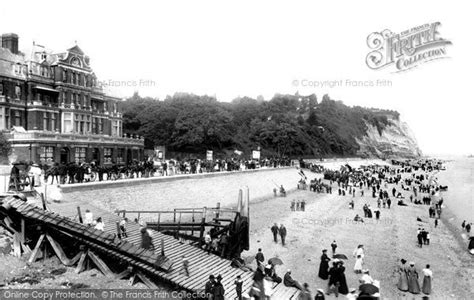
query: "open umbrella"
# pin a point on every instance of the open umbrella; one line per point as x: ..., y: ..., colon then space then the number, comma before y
x: 340, y: 256
x: 368, y: 289
x: 276, y: 261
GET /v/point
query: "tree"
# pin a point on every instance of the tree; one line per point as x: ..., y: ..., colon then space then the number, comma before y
x: 5, y: 148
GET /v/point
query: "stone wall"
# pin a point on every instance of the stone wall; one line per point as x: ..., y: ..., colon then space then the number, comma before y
x: 166, y: 193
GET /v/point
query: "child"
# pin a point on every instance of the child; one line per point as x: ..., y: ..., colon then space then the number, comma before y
x: 99, y: 224
x: 123, y: 227
x: 88, y: 218
x: 185, y: 265
x: 358, y: 265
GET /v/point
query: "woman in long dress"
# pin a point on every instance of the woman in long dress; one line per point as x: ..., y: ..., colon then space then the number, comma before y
x: 403, y: 280
x: 413, y: 284
x: 427, y: 275
x: 343, y: 289
x: 324, y: 266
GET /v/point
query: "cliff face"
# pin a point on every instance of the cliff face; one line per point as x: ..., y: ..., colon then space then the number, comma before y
x: 396, y: 140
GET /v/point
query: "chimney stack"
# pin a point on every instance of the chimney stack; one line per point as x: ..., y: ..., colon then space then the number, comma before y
x: 10, y: 41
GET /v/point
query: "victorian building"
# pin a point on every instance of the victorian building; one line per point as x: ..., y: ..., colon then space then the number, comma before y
x: 53, y: 109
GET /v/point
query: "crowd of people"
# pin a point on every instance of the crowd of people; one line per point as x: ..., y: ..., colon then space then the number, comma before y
x: 80, y: 172
x: 375, y: 180
x: 408, y: 178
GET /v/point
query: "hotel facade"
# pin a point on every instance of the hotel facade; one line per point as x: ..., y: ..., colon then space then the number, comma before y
x: 52, y: 109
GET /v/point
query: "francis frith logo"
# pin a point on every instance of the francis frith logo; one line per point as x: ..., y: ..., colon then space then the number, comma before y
x: 406, y: 50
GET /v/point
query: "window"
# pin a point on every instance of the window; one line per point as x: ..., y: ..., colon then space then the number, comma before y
x: 46, y: 121
x: 88, y: 124
x: 108, y: 155
x: 101, y: 125
x: 80, y: 155
x: 64, y: 76
x: 46, y: 154
x: 120, y: 154
x: 2, y: 122
x: 18, y: 92
x: 53, y: 122
x: 17, y: 120
x: 67, y: 122
x: 1, y: 88
x: 7, y: 118
x: 115, y: 128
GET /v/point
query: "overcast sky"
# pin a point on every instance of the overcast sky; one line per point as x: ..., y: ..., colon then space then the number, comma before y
x: 237, y: 48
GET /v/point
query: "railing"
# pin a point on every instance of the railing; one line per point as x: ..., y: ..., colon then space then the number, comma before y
x: 39, y: 135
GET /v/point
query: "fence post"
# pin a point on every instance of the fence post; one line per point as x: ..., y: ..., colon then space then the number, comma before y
x: 79, y: 214
x: 192, y: 227
x: 203, y: 223
x: 119, y: 235
x: 159, y: 217
x: 217, y: 213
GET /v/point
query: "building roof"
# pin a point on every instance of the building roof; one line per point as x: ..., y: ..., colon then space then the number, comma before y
x: 76, y: 50
x: 7, y: 62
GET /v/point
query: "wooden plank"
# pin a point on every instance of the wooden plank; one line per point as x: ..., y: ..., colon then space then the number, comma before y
x: 203, y: 274
x: 26, y: 249
x: 17, y: 244
x: 82, y: 262
x: 101, y: 265
x: 23, y: 231
x: 59, y: 252
x: 123, y: 274
x: 36, y: 251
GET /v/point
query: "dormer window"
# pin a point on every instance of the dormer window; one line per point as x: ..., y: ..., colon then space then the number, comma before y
x: 43, y: 56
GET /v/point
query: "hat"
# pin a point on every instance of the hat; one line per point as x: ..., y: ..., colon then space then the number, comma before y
x: 288, y: 271
x: 325, y: 250
x: 211, y: 276
x: 412, y: 263
x: 320, y: 290
x: 219, y: 277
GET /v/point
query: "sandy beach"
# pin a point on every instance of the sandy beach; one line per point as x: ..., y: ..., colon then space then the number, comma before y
x: 328, y: 217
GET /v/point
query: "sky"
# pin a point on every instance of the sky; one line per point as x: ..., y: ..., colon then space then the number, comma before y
x: 250, y: 48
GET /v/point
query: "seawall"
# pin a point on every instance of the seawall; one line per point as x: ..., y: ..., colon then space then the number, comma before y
x: 167, y: 193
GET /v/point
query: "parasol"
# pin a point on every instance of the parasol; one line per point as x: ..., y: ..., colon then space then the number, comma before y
x: 340, y: 256
x: 275, y: 261
x: 368, y: 289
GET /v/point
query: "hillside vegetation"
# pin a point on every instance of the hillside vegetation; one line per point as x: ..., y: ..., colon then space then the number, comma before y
x: 286, y: 125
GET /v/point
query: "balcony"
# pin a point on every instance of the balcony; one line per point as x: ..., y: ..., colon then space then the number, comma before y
x: 3, y: 99
x: 35, y: 136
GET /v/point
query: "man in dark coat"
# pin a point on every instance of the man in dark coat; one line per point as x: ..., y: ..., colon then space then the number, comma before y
x: 341, y: 278
x: 289, y: 281
x: 282, y: 234
x: 275, y: 231
x: 333, y: 284
x: 209, y: 287
x: 333, y: 247
x: 259, y: 257
x: 324, y: 266
x: 219, y: 289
